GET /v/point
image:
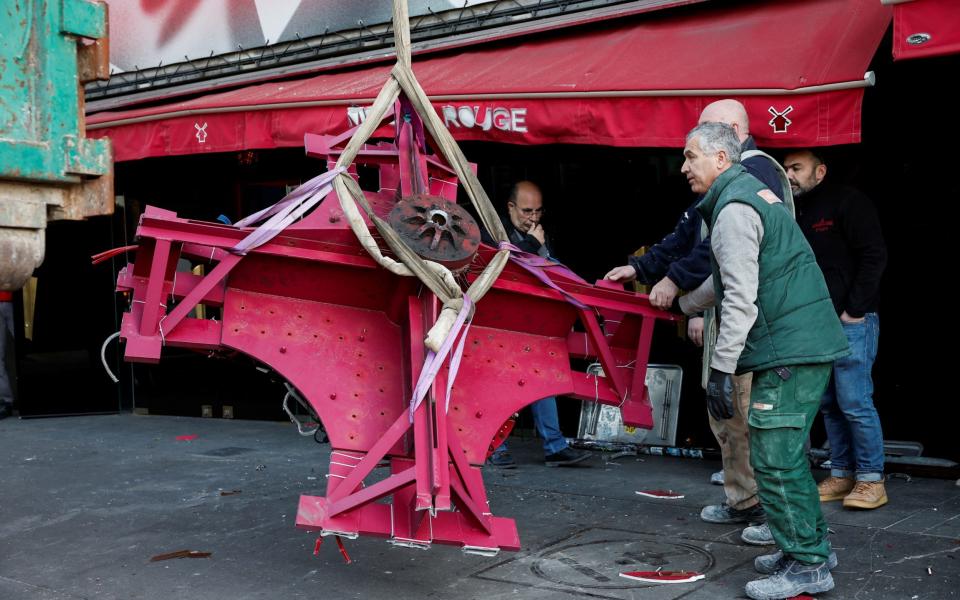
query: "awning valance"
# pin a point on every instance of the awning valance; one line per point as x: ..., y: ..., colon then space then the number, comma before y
x: 799, y: 67
x: 925, y: 28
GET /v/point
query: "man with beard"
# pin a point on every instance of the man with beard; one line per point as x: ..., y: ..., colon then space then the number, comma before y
x: 843, y: 229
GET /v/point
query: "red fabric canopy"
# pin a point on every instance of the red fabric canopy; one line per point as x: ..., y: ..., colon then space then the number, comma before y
x: 925, y: 28
x: 639, y: 82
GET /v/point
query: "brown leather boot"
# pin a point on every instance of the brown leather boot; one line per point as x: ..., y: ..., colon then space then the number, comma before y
x: 835, y: 488
x: 866, y: 494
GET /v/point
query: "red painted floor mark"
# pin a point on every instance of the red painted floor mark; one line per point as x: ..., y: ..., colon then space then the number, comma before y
x: 662, y: 494
x: 663, y: 576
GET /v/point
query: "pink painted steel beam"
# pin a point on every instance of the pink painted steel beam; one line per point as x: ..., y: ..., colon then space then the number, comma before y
x: 344, y: 349
x: 349, y: 336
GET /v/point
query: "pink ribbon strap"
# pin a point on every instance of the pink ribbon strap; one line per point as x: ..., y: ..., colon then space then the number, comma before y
x: 433, y: 361
x: 285, y: 212
x: 536, y: 264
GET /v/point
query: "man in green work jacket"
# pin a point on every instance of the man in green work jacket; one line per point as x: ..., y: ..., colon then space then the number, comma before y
x: 776, y: 321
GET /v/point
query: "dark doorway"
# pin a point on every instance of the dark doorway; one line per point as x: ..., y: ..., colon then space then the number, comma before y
x: 73, y: 313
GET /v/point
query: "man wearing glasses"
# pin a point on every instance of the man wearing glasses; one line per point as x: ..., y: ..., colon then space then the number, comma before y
x: 525, y: 209
x: 524, y: 230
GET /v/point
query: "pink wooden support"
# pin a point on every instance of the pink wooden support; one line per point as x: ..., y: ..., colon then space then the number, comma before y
x: 467, y: 485
x: 405, y: 520
x: 440, y: 461
x: 153, y: 305
x: 610, y: 367
x: 439, y: 452
x: 217, y: 275
x: 422, y: 423
x: 638, y: 411
x: 369, y: 462
x: 372, y: 493
x: 411, y: 183
x: 470, y: 508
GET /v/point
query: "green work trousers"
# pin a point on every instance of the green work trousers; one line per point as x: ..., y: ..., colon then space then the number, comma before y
x: 781, y: 414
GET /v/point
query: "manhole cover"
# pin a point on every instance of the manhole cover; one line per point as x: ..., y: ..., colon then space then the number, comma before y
x: 589, y: 563
x: 598, y: 564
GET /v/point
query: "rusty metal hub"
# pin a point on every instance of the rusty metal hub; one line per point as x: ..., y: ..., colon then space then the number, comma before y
x: 436, y: 229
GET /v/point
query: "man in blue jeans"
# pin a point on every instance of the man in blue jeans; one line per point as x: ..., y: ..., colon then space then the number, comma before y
x: 522, y: 222
x: 843, y: 229
x: 556, y: 451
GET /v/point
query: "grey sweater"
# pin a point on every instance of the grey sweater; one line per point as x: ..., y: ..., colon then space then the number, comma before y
x: 735, y: 242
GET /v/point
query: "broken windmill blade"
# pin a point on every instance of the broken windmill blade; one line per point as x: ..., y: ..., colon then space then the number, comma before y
x: 312, y: 294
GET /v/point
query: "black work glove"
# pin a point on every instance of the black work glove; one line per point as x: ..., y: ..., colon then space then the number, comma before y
x: 720, y: 395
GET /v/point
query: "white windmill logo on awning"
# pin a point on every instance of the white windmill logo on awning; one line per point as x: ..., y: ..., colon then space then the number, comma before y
x: 780, y: 122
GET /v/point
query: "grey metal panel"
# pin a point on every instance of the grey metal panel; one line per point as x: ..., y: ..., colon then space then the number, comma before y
x: 603, y: 423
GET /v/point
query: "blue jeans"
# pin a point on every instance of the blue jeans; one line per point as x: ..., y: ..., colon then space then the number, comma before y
x: 547, y: 422
x: 852, y: 422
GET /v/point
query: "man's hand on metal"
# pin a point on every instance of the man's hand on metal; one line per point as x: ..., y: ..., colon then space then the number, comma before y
x: 536, y: 230
x: 720, y: 391
x: 695, y: 330
x: 624, y: 273
x: 662, y: 294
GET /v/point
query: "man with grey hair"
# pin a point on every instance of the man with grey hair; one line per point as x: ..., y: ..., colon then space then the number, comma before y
x: 776, y: 322
x: 681, y: 261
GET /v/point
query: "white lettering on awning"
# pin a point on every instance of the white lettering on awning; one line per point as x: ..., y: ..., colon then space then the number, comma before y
x: 470, y: 117
x: 465, y: 117
x: 356, y: 115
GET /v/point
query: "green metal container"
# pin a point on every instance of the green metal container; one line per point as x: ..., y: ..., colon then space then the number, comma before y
x: 48, y: 168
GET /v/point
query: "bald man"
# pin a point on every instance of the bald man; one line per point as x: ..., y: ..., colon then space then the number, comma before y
x: 681, y: 261
x: 525, y: 209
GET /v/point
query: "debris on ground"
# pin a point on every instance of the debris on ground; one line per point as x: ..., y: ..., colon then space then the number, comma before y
x: 660, y: 494
x: 180, y: 554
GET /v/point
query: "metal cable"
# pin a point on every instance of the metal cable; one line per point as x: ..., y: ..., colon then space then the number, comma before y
x: 103, y: 356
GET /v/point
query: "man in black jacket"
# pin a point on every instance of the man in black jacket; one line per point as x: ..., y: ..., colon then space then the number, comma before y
x: 843, y: 229
x: 524, y: 230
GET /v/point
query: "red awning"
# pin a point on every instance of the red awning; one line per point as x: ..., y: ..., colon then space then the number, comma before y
x: 925, y: 28
x: 799, y: 68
